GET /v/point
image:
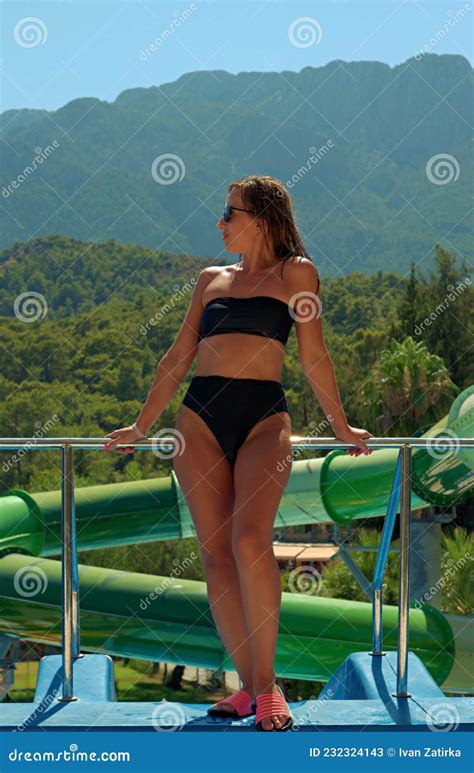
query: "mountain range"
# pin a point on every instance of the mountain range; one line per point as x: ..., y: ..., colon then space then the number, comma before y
x: 377, y: 160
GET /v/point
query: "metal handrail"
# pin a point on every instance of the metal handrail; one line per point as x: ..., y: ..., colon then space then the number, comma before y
x: 296, y: 442
x: 70, y: 587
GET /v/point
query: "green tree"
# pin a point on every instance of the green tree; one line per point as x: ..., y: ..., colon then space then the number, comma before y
x: 408, y: 387
x: 450, y: 333
x: 457, y: 565
x: 410, y: 306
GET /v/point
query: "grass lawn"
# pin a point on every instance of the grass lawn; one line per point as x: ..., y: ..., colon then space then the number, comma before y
x: 133, y: 683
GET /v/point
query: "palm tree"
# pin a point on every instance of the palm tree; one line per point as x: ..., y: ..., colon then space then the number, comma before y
x: 458, y: 572
x: 408, y: 387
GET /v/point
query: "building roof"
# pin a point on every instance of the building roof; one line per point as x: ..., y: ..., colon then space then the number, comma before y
x: 288, y: 551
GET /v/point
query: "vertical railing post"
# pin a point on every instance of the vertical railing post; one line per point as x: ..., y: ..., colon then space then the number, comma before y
x: 68, y: 560
x: 76, y: 644
x: 384, y: 547
x: 404, y: 585
x: 377, y: 623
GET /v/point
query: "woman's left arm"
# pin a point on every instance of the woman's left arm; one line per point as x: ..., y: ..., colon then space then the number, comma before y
x: 314, y: 356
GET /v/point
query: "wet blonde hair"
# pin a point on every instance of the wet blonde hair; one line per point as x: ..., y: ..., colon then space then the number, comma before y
x: 269, y: 201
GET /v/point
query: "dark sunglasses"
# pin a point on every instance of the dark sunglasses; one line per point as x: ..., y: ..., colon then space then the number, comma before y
x: 226, y: 215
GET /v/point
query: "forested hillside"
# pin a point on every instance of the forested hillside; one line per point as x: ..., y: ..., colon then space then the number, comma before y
x: 83, y: 327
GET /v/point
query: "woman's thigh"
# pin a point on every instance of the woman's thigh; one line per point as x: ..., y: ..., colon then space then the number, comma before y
x: 205, y: 476
x: 261, y: 472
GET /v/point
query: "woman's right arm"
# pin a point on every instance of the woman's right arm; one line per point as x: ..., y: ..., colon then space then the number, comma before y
x: 172, y: 368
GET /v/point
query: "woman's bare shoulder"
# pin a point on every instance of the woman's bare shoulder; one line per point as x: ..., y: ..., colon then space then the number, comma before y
x: 299, y: 260
x: 212, y: 271
x: 302, y: 272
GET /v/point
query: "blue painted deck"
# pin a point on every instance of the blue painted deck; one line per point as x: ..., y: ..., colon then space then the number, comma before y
x: 357, y: 697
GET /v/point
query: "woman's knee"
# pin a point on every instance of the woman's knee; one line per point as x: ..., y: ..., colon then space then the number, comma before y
x: 218, y: 559
x: 248, y: 545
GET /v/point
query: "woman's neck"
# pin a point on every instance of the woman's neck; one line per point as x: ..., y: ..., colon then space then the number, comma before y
x: 254, y: 266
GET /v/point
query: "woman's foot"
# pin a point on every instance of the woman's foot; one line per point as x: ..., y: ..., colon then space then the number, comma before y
x: 273, y: 713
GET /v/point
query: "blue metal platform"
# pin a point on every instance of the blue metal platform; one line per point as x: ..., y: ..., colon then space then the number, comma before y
x: 357, y: 697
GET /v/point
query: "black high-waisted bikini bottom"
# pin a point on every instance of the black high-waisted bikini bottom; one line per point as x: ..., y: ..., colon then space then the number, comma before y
x: 232, y: 406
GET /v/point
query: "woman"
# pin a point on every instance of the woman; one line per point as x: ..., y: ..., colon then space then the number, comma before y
x: 236, y: 428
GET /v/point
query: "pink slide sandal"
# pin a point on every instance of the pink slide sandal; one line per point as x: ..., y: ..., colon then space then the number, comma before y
x: 269, y: 704
x: 242, y: 703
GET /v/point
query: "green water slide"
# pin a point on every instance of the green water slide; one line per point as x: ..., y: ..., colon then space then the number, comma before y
x: 168, y: 619
x: 158, y: 618
x: 337, y: 488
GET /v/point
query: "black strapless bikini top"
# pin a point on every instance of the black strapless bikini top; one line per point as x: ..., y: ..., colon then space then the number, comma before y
x: 260, y: 315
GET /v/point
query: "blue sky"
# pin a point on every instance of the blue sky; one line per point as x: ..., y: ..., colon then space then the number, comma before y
x: 54, y: 52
